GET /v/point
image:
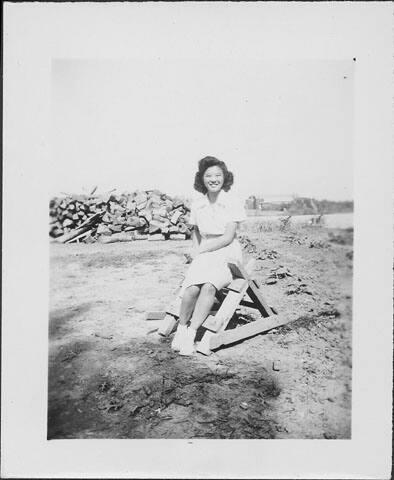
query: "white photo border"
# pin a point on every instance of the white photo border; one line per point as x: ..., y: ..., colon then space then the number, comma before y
x: 34, y: 34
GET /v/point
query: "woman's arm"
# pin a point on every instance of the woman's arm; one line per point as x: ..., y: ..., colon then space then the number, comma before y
x: 213, y: 244
x: 196, y: 237
x: 196, y: 240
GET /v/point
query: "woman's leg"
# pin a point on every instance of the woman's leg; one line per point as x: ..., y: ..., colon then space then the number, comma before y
x: 189, y: 299
x: 201, y: 310
x: 203, y: 305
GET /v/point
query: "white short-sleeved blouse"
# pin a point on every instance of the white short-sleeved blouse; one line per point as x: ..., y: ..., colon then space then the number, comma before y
x: 212, y: 218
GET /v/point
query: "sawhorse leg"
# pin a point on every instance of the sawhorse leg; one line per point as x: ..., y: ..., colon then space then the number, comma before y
x: 215, y: 325
x: 216, y: 334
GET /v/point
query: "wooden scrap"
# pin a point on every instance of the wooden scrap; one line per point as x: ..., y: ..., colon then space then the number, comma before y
x: 155, y: 315
x: 168, y: 325
x: 82, y: 235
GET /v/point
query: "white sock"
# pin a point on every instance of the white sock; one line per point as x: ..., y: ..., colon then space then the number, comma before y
x: 181, y: 328
x: 192, y: 332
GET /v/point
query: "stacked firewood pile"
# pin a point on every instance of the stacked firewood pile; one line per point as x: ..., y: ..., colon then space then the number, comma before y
x: 110, y: 218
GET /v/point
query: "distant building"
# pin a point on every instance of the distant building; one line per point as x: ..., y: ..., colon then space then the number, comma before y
x: 251, y: 203
x: 269, y: 202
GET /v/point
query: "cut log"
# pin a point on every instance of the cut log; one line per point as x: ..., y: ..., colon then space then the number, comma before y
x: 160, y: 218
x: 138, y: 236
x: 155, y: 237
x: 158, y: 223
x: 103, y: 230
x: 160, y: 212
x: 90, y: 239
x: 177, y: 203
x: 92, y: 220
x: 131, y: 205
x: 117, y: 237
x: 182, y: 228
x: 169, y: 206
x: 145, y: 214
x: 56, y: 232
x: 135, y: 222
x: 68, y: 223
x: 175, y: 217
x: 177, y: 236
x: 153, y: 229
x: 173, y: 229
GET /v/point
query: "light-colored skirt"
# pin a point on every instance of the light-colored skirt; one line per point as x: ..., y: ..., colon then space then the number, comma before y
x: 211, y: 267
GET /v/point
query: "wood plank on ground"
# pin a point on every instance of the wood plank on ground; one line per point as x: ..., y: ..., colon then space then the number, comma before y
x: 246, y: 331
x: 168, y: 325
x: 155, y: 315
x: 82, y: 235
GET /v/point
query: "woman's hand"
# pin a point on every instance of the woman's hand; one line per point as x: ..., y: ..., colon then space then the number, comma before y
x: 200, y: 249
x: 196, y: 250
x: 196, y: 240
x: 221, y: 241
x: 190, y: 256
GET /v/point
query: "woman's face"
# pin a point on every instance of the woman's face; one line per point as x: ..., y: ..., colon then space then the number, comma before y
x: 213, y: 179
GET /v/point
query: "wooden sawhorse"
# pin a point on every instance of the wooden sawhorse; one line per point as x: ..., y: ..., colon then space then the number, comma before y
x: 242, y: 291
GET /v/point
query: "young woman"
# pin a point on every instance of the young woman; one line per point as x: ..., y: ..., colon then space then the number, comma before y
x: 215, y: 218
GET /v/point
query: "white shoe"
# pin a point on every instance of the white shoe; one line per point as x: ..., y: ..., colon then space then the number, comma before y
x: 187, y: 345
x: 179, y: 337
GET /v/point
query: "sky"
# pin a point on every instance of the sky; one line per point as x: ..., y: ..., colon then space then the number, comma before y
x: 282, y: 127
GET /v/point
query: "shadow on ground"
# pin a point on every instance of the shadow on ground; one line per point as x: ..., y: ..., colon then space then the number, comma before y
x: 141, y: 389
x: 60, y: 318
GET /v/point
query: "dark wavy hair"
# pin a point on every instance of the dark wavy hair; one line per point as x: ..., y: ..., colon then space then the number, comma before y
x: 203, y: 165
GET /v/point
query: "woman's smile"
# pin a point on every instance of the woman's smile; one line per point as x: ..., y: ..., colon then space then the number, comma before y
x: 213, y: 179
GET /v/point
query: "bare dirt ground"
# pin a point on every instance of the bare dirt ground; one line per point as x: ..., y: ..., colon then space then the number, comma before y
x: 112, y: 376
